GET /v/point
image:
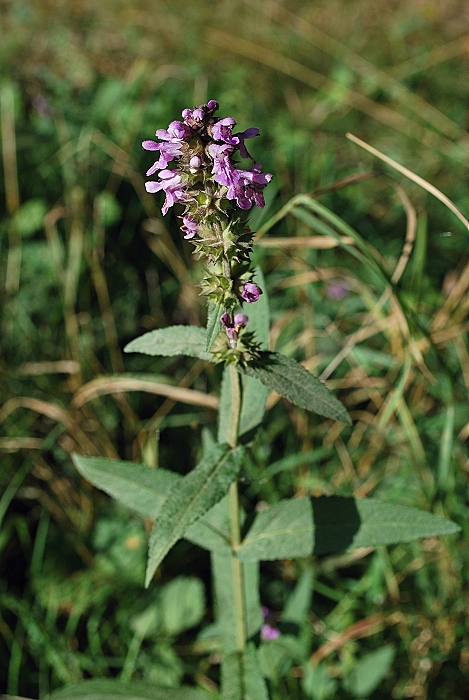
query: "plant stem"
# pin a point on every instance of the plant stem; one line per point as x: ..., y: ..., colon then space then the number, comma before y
x: 237, y: 567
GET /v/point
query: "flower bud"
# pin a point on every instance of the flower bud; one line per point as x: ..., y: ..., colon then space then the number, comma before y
x: 251, y: 292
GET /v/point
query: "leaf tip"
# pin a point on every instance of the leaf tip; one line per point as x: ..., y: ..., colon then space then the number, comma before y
x: 128, y: 347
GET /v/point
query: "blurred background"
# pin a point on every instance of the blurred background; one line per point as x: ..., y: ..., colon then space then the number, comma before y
x: 87, y: 263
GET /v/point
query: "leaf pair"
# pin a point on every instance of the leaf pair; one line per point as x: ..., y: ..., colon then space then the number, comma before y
x: 274, y: 370
x: 290, y: 528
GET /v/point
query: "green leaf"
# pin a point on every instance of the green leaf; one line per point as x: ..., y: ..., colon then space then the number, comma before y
x: 241, y: 678
x: 134, y: 485
x: 144, y: 490
x: 254, y: 392
x: 108, y: 207
x: 254, y: 396
x: 108, y: 689
x: 277, y: 656
x: 369, y: 672
x: 224, y: 410
x: 208, y: 441
x: 259, y: 313
x: 191, y: 498
x: 183, y: 604
x: 317, y: 683
x: 291, y: 380
x: 253, y: 404
x: 283, y: 530
x: 299, y: 602
x: 301, y: 526
x: 348, y: 523
x: 222, y: 572
x: 214, y: 313
x: 29, y: 217
x: 175, y: 340
x: 212, y: 531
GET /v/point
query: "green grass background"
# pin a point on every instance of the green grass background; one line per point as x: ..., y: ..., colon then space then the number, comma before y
x: 87, y: 263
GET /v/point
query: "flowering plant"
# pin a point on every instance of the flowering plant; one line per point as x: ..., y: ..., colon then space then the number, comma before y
x: 203, y: 505
x: 205, y: 178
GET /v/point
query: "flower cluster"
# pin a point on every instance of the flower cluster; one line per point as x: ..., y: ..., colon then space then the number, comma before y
x: 236, y: 345
x: 197, y: 168
x: 268, y: 631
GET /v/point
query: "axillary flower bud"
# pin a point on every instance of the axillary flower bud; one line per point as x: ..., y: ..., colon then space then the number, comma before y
x: 196, y: 168
x: 232, y: 327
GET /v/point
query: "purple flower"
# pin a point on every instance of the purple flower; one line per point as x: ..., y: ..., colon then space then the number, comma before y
x: 251, y: 292
x: 179, y: 130
x: 168, y: 151
x: 172, y: 186
x: 194, y: 117
x: 247, y: 134
x: 247, y: 190
x: 232, y: 327
x: 221, y: 131
x: 190, y: 227
x: 268, y: 633
x: 224, y: 171
x: 337, y: 290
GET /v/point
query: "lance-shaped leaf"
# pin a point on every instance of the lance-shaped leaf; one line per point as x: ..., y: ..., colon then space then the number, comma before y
x: 144, y: 490
x: 190, y: 499
x: 302, y: 526
x: 214, y: 313
x: 212, y: 531
x: 241, y: 677
x: 223, y: 584
x: 291, y: 380
x: 299, y: 601
x: 134, y: 485
x: 175, y: 340
x: 281, y: 531
x: 111, y: 689
x: 254, y: 397
x: 349, y: 523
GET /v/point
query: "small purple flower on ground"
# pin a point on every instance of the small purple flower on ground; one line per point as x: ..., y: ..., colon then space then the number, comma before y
x: 337, y: 290
x: 251, y: 292
x: 269, y: 633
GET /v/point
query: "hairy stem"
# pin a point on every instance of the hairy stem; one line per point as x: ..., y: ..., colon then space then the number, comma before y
x: 237, y: 566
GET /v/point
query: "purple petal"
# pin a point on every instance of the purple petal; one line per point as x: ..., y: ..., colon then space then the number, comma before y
x: 163, y: 135
x: 250, y: 133
x: 251, y: 292
x: 179, y: 130
x: 153, y: 169
x: 226, y: 320
x: 240, y: 320
x: 151, y: 146
x: 153, y: 186
x: 268, y: 633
